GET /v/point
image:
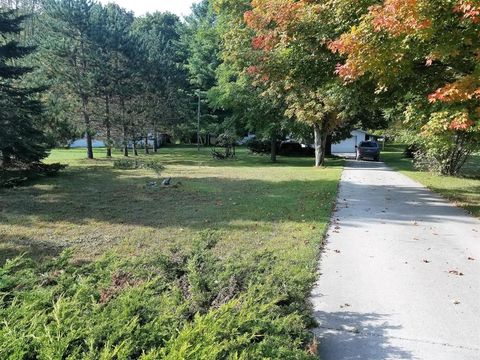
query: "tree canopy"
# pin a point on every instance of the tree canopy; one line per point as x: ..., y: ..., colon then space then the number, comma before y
x: 269, y: 67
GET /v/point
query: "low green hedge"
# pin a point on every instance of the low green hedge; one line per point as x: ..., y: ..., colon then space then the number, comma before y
x: 184, y: 305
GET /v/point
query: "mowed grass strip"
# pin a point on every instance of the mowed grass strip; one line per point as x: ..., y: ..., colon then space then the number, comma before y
x: 94, y: 208
x: 464, y: 190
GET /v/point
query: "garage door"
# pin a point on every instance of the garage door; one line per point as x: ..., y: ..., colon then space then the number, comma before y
x: 345, y: 146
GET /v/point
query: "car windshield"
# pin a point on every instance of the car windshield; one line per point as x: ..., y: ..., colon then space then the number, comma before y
x: 368, y: 144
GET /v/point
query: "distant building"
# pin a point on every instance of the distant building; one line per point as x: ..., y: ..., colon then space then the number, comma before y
x: 348, y: 145
x: 82, y: 143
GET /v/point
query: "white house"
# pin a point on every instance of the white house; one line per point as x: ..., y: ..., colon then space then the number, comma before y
x: 348, y: 146
x: 82, y: 143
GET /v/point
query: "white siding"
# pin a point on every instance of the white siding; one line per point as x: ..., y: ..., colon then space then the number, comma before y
x: 348, y: 145
x: 82, y: 143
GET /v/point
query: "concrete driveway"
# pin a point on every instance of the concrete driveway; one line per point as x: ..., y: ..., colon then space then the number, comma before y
x: 400, y: 273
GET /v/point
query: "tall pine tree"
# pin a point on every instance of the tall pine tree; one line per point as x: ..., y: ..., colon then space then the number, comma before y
x: 22, y: 141
x: 70, y: 54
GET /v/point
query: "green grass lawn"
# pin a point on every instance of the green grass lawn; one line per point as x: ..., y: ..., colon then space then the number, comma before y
x: 248, y: 208
x: 463, y: 190
x: 251, y: 203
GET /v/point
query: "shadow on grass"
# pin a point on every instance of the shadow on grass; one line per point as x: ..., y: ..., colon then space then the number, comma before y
x: 13, y: 246
x: 109, y: 196
x: 97, y: 196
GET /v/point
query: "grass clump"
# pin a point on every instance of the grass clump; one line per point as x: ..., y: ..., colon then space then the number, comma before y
x: 184, y: 305
x: 12, y: 177
x: 132, y: 164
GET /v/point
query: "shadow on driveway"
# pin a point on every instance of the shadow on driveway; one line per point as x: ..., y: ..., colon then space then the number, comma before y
x: 360, y: 335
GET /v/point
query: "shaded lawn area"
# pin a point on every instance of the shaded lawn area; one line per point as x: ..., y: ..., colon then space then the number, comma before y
x: 251, y: 203
x: 463, y: 190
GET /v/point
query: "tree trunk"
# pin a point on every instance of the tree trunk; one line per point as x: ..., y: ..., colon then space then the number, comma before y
x: 328, y: 147
x: 125, y: 128
x: 155, y: 143
x: 146, y: 145
x: 89, y: 146
x: 108, y: 126
x: 320, y: 142
x: 273, y: 148
x: 6, y: 160
x: 109, y: 148
x: 135, y: 150
x: 155, y: 137
x: 125, y: 141
x: 88, y: 130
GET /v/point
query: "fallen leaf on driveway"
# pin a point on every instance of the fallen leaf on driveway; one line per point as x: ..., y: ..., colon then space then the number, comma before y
x: 456, y: 272
x: 337, y: 251
x: 426, y: 261
x: 471, y: 258
x: 456, y: 302
x: 351, y: 329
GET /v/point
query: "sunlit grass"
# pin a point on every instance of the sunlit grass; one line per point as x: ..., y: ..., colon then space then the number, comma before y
x: 463, y: 190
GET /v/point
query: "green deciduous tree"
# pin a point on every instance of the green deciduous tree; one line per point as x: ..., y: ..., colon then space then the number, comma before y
x: 250, y: 106
x: 290, y: 58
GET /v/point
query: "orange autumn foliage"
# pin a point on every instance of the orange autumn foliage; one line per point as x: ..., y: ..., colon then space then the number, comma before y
x: 271, y: 19
x: 398, y: 17
x: 464, y: 89
x: 470, y: 9
x: 461, y: 123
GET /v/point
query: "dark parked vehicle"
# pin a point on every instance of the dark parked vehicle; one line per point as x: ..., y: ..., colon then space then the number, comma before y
x: 293, y: 148
x: 368, y: 149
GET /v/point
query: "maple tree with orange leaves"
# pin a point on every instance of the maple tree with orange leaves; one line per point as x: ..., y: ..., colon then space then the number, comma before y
x: 429, y: 48
x: 291, y: 41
